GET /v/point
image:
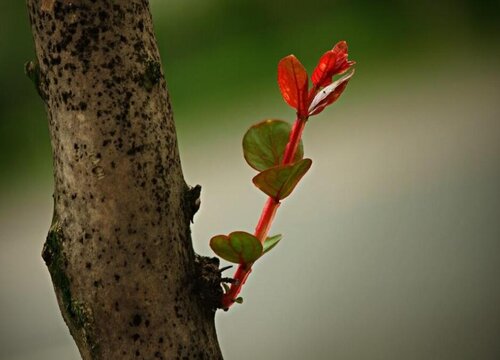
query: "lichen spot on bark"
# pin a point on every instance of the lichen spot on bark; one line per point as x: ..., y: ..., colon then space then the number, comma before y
x: 152, y: 74
x: 77, y: 313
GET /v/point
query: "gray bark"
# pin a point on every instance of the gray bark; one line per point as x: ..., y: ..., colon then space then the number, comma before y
x: 119, y: 252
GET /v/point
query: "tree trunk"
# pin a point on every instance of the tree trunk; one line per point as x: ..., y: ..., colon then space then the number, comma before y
x: 119, y: 252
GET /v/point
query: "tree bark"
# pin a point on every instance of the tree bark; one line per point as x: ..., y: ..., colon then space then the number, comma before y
x: 119, y: 252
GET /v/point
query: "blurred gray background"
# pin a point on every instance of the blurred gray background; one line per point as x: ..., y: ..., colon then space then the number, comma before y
x: 391, y: 243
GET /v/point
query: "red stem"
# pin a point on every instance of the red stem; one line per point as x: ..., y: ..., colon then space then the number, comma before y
x: 266, y: 217
x: 293, y: 143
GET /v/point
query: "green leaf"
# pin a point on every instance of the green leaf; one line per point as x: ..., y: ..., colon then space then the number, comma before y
x: 238, y: 247
x: 271, y: 242
x: 239, y: 300
x: 279, y: 181
x: 264, y: 144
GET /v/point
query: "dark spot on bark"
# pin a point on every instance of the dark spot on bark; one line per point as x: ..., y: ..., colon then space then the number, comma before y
x: 103, y: 15
x: 136, y: 320
x: 140, y: 25
x: 82, y: 105
x: 66, y: 95
x: 135, y: 149
x: 56, y: 61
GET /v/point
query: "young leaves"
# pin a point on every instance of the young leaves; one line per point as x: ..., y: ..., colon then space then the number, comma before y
x: 333, y: 62
x: 271, y: 242
x: 278, y: 182
x: 329, y: 94
x: 241, y: 247
x: 238, y: 247
x: 293, y: 82
x: 264, y: 144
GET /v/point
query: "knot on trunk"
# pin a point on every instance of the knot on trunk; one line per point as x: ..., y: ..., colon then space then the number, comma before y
x: 208, y: 281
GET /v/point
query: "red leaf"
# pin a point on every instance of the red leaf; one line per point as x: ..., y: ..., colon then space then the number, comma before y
x: 329, y: 94
x: 332, y: 63
x: 293, y: 82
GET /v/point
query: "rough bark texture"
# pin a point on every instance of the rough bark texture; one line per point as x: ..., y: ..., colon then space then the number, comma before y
x: 119, y: 250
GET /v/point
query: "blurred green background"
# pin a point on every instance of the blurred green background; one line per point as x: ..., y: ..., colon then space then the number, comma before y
x: 392, y: 242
